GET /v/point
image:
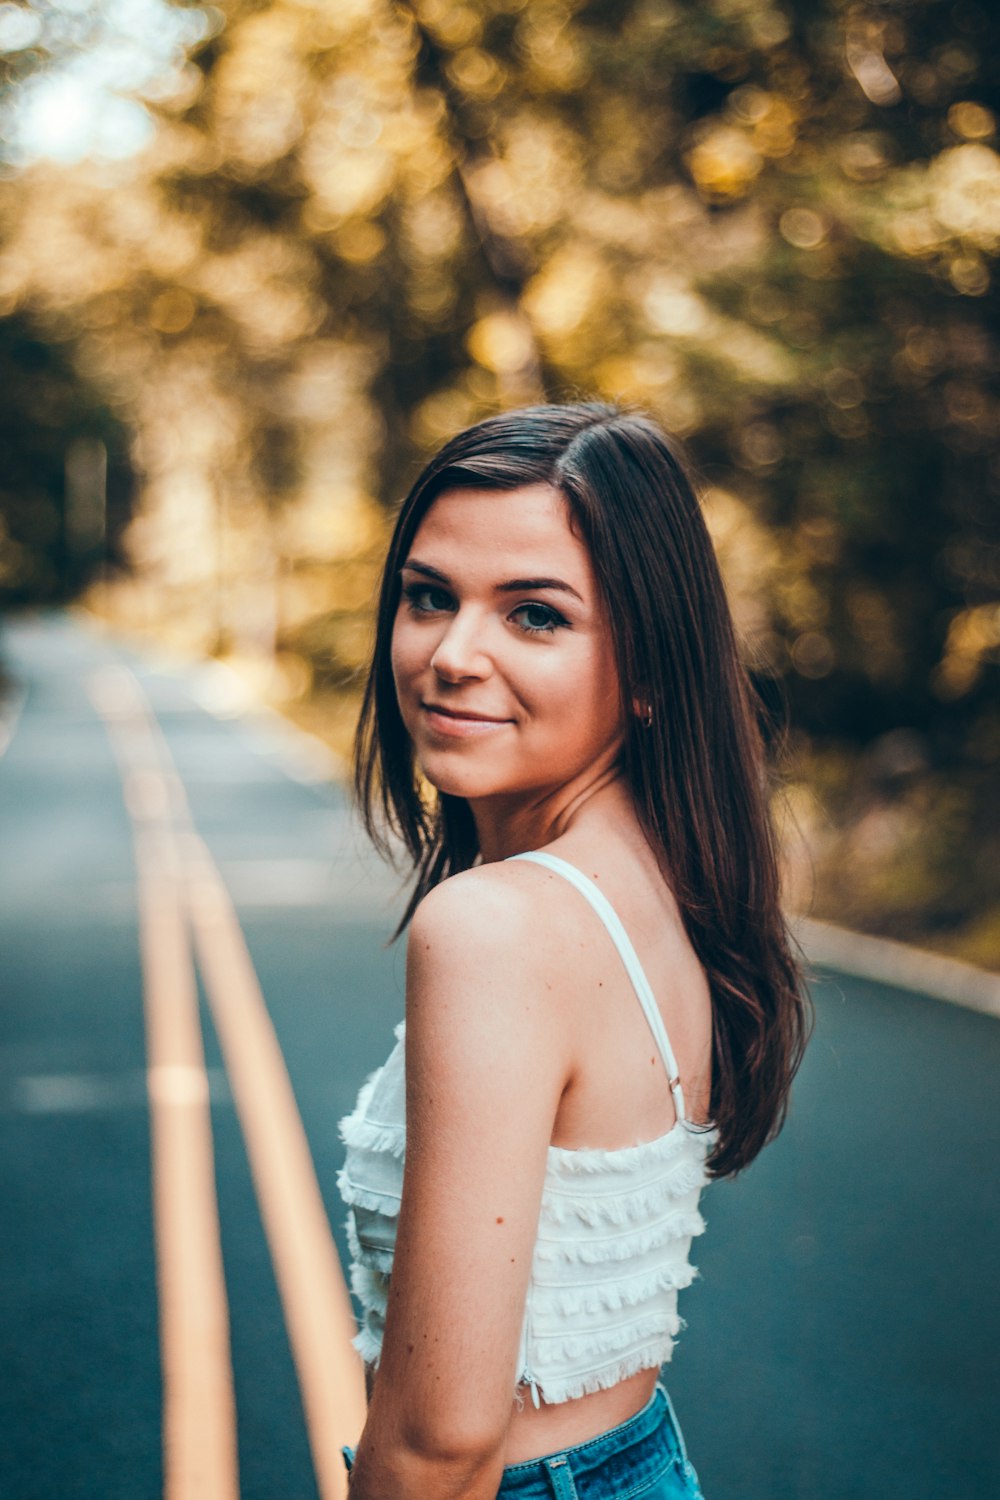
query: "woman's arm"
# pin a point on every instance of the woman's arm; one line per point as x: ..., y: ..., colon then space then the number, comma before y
x: 487, y: 1060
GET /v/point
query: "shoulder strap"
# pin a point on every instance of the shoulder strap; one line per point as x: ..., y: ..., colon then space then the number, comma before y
x: 629, y: 958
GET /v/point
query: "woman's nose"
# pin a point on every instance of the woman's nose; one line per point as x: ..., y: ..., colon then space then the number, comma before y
x: 459, y: 652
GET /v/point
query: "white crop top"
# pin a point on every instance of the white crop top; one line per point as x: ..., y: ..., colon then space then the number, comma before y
x: 614, y: 1229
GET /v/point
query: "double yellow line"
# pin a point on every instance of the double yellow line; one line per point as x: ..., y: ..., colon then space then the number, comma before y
x: 182, y: 897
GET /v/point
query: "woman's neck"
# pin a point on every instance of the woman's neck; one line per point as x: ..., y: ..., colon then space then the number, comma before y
x: 532, y: 824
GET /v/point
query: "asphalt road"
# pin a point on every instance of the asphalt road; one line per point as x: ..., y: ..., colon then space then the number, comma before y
x: 842, y: 1338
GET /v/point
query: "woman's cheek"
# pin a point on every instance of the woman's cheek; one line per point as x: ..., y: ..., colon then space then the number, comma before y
x: 402, y: 657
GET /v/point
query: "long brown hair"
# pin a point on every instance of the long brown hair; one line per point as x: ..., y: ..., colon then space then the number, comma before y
x: 698, y: 774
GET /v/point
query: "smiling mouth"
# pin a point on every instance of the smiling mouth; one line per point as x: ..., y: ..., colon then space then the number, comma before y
x: 454, y: 713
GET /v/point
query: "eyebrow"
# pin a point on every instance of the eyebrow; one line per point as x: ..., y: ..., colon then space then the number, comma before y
x: 510, y: 586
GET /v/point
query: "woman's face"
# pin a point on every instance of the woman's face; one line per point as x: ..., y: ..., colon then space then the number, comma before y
x: 501, y: 650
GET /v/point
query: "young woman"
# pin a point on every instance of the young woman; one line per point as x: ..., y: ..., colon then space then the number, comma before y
x: 602, y: 1008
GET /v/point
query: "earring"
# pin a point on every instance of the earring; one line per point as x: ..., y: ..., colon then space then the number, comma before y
x: 647, y: 716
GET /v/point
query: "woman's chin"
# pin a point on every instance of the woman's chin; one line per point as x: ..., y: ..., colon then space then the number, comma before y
x: 457, y: 786
x: 456, y: 781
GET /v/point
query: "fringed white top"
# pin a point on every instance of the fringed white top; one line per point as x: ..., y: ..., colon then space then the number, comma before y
x: 614, y: 1230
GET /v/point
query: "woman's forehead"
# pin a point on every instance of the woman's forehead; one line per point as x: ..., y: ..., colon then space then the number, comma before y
x: 533, y: 522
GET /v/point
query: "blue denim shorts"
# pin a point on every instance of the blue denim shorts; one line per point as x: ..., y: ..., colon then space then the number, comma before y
x: 642, y: 1459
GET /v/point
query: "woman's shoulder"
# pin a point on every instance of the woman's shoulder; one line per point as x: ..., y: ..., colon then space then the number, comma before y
x: 497, y: 920
x: 496, y: 904
x: 486, y: 979
x: 485, y: 890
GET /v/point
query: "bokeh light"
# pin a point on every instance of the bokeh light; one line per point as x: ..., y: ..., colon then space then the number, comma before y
x: 287, y: 250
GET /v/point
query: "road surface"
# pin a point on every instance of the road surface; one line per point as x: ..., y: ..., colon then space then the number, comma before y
x: 842, y: 1337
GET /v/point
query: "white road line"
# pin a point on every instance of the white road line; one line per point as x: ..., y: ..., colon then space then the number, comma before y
x: 86, y: 1093
x: 11, y: 716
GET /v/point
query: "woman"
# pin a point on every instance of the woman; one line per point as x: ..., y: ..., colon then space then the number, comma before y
x: 555, y: 658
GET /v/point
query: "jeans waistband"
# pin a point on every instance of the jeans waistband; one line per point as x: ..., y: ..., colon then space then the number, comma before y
x: 649, y: 1440
x: 645, y: 1443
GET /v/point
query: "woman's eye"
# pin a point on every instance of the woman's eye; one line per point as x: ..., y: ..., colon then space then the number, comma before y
x: 532, y: 619
x: 425, y: 599
x: 539, y: 618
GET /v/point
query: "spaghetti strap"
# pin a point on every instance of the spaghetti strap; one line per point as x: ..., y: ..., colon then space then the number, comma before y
x: 629, y: 958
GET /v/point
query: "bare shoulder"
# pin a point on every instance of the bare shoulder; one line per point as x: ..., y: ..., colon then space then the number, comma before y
x: 483, y: 950
x: 489, y: 905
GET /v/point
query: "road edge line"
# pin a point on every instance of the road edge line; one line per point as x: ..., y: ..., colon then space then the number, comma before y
x: 11, y: 717
x: 887, y: 961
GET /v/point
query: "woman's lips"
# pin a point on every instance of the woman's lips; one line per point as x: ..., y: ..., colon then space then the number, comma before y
x: 449, y: 721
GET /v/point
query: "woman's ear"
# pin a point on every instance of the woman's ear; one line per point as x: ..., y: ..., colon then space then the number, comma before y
x: 643, y: 709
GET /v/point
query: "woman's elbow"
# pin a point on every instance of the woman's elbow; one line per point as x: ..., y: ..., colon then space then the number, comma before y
x: 432, y: 1430
x: 452, y: 1444
x: 422, y: 1464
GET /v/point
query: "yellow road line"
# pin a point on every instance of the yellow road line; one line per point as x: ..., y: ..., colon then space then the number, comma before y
x: 311, y: 1284
x: 199, y: 1409
x: 317, y: 1308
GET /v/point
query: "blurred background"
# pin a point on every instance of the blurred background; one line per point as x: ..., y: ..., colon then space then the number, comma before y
x: 257, y: 260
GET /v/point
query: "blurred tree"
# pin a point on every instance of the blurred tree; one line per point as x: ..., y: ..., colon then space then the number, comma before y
x: 65, y: 483
x: 774, y: 224
x: 22, y: 51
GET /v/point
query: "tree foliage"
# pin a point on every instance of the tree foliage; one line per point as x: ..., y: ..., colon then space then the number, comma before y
x: 65, y: 482
x: 773, y: 224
